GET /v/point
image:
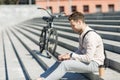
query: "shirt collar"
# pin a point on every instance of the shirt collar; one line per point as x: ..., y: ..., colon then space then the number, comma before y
x: 85, y: 30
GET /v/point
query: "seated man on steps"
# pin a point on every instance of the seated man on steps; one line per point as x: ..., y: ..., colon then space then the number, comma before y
x: 86, y: 59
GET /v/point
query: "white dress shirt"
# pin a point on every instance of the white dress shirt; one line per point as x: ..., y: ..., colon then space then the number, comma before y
x: 92, y: 48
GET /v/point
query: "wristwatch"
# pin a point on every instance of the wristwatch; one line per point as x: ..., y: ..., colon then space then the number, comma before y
x: 71, y: 55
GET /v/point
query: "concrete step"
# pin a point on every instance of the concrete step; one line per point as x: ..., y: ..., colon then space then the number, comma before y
x: 112, y: 45
x: 104, y: 14
x: 114, y: 61
x: 96, y: 17
x: 110, y: 74
x: 112, y: 17
x: 110, y: 28
x: 2, y: 59
x: 13, y: 67
x: 105, y: 22
x: 26, y: 57
x: 31, y: 29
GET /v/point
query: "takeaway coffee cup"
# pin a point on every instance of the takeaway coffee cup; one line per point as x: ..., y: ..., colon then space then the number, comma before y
x: 101, y: 71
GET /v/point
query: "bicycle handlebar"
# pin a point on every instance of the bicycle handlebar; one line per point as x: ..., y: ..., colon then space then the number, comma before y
x: 47, y: 12
x: 49, y: 20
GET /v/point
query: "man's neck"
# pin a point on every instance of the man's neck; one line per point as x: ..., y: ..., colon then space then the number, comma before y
x: 83, y: 28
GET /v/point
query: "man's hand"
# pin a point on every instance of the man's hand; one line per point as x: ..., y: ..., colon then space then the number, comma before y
x: 64, y: 57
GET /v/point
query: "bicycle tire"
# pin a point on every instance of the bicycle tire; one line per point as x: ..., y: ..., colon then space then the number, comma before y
x: 53, y: 40
x: 42, y: 42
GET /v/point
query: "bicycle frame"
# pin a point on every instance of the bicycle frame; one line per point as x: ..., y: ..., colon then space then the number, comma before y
x: 46, y: 33
x: 45, y: 30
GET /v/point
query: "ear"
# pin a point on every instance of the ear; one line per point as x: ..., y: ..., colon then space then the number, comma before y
x: 80, y: 22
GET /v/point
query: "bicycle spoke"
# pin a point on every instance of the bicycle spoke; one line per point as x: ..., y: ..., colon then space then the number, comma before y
x: 52, y: 41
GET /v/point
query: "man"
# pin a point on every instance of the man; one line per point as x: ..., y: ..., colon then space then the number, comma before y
x: 87, y: 58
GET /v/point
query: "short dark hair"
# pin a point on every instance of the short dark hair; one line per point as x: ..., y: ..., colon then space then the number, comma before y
x: 76, y: 16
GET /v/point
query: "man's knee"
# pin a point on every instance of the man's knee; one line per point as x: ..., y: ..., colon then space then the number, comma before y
x: 66, y: 64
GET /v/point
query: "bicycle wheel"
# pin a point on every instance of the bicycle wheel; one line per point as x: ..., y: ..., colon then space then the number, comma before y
x: 52, y: 41
x: 42, y: 41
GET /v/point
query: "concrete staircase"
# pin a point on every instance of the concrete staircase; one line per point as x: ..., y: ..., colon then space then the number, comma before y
x: 19, y: 51
x: 20, y: 57
x: 68, y: 41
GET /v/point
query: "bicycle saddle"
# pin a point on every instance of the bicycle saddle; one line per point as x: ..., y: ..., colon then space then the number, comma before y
x: 47, y: 19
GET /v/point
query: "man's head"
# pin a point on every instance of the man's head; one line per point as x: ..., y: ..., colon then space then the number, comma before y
x: 77, y: 22
x: 76, y: 16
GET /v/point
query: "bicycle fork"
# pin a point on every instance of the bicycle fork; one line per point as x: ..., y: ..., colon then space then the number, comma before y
x: 46, y: 43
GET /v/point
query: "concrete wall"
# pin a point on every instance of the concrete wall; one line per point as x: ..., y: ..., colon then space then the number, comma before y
x: 14, y: 14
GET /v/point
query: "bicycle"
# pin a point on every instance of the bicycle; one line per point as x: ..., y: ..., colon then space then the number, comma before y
x: 48, y: 37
